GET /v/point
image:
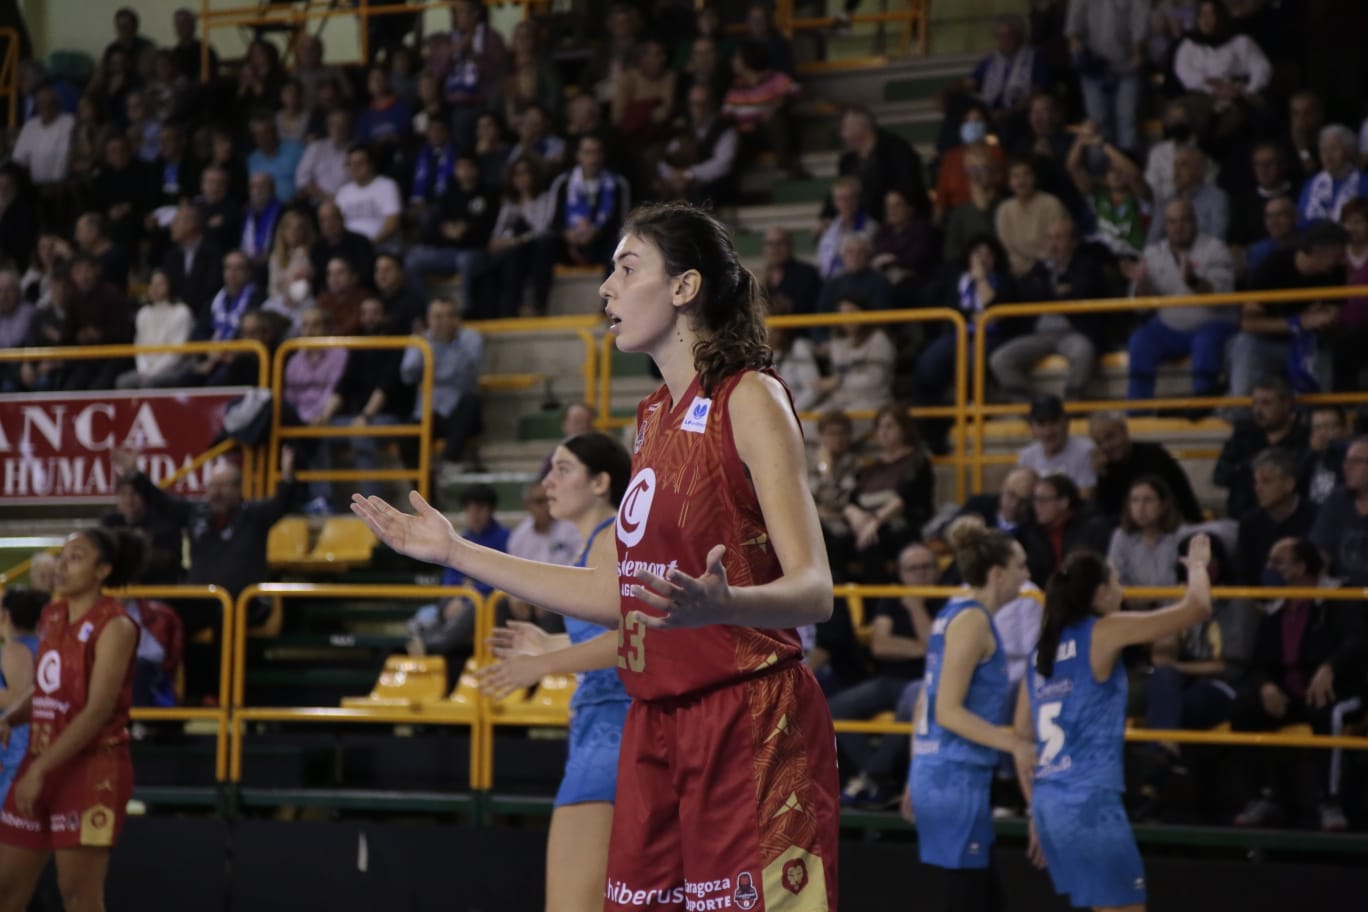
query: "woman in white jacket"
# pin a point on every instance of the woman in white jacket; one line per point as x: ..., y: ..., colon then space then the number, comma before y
x: 160, y: 321
x: 1215, y: 62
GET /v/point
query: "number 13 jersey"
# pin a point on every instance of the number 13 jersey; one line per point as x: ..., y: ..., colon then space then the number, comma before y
x: 1080, y: 722
x: 690, y: 492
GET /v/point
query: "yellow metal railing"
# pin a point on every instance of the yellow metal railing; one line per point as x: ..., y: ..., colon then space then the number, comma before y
x: 913, y: 16
x: 102, y: 352
x: 231, y: 717
x: 856, y: 595
x: 241, y: 714
x: 971, y: 409
x: 422, y: 430
x: 296, y: 16
x: 982, y: 409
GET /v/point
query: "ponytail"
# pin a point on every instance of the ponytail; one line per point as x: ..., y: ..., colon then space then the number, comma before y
x: 1068, y: 600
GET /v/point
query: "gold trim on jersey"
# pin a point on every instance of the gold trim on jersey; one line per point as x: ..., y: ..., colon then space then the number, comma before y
x: 795, y: 882
x: 97, y: 826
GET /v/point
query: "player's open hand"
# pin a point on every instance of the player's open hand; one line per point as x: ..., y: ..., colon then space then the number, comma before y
x: 425, y: 534
x: 503, y: 678
x: 687, y: 601
x: 519, y: 638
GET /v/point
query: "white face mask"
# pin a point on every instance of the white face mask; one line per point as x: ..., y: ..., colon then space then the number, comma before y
x: 972, y: 131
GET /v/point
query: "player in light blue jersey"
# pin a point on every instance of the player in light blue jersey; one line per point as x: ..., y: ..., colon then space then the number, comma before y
x: 956, y: 738
x: 1073, y: 704
x: 584, y: 484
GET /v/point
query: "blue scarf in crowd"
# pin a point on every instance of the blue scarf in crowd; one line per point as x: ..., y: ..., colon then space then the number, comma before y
x: 433, y: 171
x: 227, y: 314
x: 580, y: 208
x: 258, y: 228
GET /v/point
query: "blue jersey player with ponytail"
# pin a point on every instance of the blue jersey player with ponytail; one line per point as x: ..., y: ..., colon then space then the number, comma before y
x: 1073, y: 703
x: 956, y: 736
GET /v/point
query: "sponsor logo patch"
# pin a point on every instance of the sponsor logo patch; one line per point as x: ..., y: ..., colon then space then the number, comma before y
x: 696, y: 418
x: 50, y: 671
x: 745, y: 894
x: 636, y: 508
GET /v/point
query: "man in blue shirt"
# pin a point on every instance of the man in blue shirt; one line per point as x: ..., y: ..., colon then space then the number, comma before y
x: 457, y: 355
x: 274, y: 156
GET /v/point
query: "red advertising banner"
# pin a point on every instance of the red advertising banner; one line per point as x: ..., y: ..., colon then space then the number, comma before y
x: 54, y: 447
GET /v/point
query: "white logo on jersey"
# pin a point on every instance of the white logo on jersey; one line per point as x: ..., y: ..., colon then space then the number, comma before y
x: 86, y: 630
x: 636, y: 508
x: 50, y: 671
x: 696, y: 418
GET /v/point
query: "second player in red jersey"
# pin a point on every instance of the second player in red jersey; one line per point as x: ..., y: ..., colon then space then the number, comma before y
x: 73, y: 786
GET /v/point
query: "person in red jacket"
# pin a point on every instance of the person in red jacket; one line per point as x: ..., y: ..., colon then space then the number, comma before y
x: 72, y: 788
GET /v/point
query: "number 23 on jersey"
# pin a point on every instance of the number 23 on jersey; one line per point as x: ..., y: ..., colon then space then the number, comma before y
x: 632, y: 643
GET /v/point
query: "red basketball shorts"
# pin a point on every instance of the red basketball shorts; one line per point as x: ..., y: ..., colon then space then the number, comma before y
x: 728, y: 800
x: 82, y: 804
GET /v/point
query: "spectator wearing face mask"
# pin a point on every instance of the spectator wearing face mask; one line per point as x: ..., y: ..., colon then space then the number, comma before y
x: 954, y: 178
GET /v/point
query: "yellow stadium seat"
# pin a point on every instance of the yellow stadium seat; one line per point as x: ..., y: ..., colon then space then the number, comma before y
x: 548, y: 705
x: 412, y: 681
x: 464, y: 701
x: 288, y: 541
x: 344, y: 541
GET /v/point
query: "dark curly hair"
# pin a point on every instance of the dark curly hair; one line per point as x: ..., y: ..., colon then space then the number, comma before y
x: 729, y: 311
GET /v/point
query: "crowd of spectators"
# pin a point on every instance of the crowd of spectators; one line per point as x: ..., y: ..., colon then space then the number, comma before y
x: 272, y: 200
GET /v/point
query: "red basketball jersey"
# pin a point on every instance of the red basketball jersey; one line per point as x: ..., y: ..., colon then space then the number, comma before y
x: 66, y: 657
x: 690, y: 492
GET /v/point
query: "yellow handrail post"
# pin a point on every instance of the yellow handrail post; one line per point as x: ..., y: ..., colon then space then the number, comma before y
x: 961, y: 328
x: 980, y: 399
x: 219, y: 714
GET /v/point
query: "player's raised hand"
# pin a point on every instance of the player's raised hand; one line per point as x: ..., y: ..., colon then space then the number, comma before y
x: 424, y: 534
x: 688, y: 601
